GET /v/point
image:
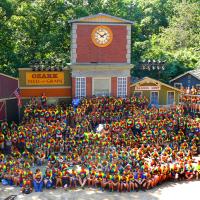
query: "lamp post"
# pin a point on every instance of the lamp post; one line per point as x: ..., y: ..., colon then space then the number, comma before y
x: 153, y: 65
x: 46, y: 65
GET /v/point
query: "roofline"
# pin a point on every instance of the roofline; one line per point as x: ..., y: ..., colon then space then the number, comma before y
x: 133, y: 84
x: 100, y: 64
x: 17, y: 79
x: 180, y: 76
x: 30, y: 69
x: 100, y: 14
x: 188, y: 72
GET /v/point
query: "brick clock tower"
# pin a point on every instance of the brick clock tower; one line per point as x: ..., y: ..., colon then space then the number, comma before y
x: 100, y: 56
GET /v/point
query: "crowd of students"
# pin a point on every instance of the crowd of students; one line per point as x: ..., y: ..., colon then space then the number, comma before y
x: 133, y: 148
x: 191, y: 91
x: 191, y: 103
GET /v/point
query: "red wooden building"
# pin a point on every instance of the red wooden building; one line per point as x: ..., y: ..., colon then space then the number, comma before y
x: 8, y: 101
x: 100, y: 56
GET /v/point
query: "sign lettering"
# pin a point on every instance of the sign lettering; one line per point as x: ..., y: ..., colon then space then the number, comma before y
x: 139, y: 88
x: 44, y: 78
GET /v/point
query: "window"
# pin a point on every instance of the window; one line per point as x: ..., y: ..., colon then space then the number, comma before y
x: 198, y: 86
x: 178, y: 85
x: 80, y: 87
x: 101, y: 86
x: 154, y: 98
x: 170, y: 98
x: 121, y: 86
x: 137, y: 93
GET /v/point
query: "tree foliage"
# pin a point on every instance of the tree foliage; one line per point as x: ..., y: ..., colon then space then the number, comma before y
x: 39, y: 29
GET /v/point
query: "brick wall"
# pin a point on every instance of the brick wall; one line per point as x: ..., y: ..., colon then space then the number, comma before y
x: 128, y: 86
x: 114, y: 53
x: 114, y: 86
x: 88, y: 86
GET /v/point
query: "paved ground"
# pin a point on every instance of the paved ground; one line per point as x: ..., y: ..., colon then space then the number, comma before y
x: 167, y: 191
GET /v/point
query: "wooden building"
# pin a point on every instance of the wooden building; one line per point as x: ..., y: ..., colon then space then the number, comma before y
x: 8, y: 103
x: 55, y: 84
x: 188, y: 79
x: 158, y: 93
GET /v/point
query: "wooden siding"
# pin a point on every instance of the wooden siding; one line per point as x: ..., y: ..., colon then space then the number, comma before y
x: 7, y: 86
x: 49, y: 92
x: 162, y: 93
x: 186, y: 81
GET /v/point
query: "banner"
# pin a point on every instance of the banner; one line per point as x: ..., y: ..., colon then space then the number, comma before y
x: 152, y: 88
x: 44, y: 78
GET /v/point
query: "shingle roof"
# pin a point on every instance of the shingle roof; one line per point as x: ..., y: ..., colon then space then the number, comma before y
x: 195, y: 73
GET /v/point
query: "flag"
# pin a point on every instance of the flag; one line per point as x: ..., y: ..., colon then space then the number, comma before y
x: 17, y: 94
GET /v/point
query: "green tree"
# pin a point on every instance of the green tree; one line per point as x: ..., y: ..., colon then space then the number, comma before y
x: 179, y: 43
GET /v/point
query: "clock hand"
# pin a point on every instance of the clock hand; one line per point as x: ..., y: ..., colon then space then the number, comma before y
x: 98, y: 33
x: 103, y: 35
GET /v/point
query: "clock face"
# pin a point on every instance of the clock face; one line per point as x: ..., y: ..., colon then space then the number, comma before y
x: 102, y: 36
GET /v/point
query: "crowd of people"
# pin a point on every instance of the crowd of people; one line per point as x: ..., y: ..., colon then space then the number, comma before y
x: 191, y: 91
x: 109, y: 143
x: 191, y: 103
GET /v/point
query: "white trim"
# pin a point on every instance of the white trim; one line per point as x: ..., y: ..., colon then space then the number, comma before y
x: 100, y: 73
x: 80, y: 88
x: 108, y: 78
x: 50, y: 87
x: 17, y: 79
x: 174, y: 97
x: 73, y: 46
x: 4, y: 99
x: 158, y: 96
x: 177, y: 83
x: 128, y: 44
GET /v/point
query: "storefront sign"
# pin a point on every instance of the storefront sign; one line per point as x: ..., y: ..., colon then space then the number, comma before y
x: 44, y: 78
x: 152, y: 88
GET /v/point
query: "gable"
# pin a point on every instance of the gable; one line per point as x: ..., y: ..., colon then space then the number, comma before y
x: 101, y: 17
x: 152, y: 82
x: 185, y: 78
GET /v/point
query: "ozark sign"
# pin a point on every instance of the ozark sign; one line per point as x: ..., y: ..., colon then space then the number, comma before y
x: 44, y: 78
